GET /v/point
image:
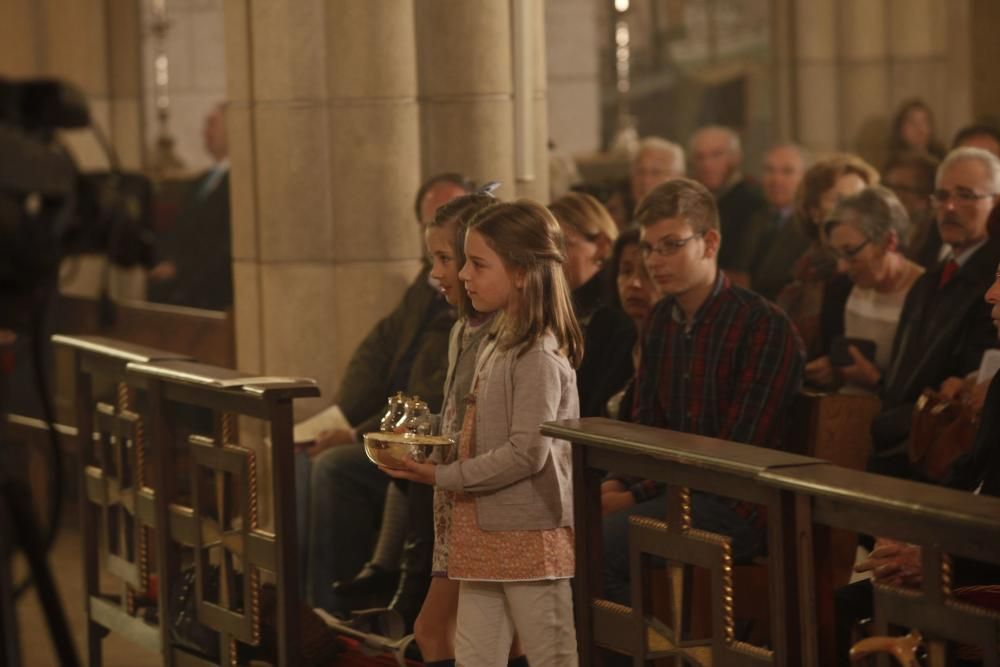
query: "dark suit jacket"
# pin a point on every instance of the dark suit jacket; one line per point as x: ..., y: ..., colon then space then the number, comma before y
x: 980, y: 466
x: 607, y: 360
x: 773, y: 252
x: 737, y: 208
x: 412, y: 340
x: 942, y: 333
x: 200, y: 249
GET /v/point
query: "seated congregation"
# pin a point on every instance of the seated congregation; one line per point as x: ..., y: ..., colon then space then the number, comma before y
x: 708, y: 305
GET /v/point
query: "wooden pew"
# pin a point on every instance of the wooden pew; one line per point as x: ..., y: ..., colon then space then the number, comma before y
x: 805, y: 497
x: 188, y: 332
x: 686, y: 462
x: 138, y: 528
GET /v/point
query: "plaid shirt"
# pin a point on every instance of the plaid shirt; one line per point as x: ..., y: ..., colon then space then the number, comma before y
x: 731, y: 373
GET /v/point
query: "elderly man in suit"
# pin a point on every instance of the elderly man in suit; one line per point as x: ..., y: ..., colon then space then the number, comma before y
x: 716, y: 162
x: 945, y: 326
x: 897, y: 563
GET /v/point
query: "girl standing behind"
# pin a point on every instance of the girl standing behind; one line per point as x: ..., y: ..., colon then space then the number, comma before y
x: 511, y: 540
x: 434, y: 629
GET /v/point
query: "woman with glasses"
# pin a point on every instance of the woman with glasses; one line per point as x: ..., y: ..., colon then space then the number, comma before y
x: 865, y: 233
x: 589, y: 233
x: 822, y: 186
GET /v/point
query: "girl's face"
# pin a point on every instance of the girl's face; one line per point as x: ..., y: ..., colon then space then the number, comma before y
x: 916, y: 128
x: 490, y: 286
x: 635, y: 288
x: 444, y: 268
x: 583, y: 257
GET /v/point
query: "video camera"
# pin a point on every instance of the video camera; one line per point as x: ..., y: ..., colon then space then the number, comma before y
x: 50, y: 209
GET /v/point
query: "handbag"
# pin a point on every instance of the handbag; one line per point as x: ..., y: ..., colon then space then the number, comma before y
x: 942, y: 430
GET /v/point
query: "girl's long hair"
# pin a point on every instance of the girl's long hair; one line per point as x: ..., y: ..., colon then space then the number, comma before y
x: 528, y: 240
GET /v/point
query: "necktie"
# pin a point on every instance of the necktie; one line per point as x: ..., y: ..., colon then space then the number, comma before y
x: 949, y: 269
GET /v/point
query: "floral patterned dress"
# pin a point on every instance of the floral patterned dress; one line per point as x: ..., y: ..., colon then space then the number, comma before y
x: 517, y: 555
x: 470, y: 339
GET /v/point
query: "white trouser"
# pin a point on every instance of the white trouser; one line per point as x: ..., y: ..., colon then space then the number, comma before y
x: 541, y: 612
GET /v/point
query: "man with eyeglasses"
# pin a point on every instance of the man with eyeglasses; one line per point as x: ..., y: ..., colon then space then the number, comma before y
x: 717, y: 360
x: 945, y: 326
x: 899, y: 564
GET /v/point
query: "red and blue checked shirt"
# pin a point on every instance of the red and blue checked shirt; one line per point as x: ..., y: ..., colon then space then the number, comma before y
x: 732, y: 372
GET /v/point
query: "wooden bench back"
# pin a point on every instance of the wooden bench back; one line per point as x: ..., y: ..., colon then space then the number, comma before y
x: 145, y: 527
x: 805, y: 499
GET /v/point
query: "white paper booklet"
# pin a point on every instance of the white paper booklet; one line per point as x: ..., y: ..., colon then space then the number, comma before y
x: 329, y: 419
x: 989, y: 367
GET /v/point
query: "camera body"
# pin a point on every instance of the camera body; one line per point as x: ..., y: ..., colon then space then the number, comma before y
x: 48, y: 208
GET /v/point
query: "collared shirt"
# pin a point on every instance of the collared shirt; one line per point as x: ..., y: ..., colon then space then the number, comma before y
x: 731, y: 372
x: 781, y: 216
x: 212, y: 178
x: 728, y: 373
x: 964, y: 256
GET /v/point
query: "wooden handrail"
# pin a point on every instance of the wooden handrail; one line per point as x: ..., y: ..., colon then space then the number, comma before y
x: 141, y: 421
x: 805, y: 498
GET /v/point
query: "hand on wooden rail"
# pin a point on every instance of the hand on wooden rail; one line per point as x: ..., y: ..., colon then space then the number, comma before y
x: 893, y: 563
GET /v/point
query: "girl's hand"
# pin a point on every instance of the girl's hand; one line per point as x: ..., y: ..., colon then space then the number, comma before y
x: 415, y: 472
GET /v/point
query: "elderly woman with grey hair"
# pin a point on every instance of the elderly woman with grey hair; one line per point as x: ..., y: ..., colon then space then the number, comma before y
x: 865, y: 232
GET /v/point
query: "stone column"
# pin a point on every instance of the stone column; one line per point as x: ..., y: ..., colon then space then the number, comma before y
x: 325, y: 163
x: 531, y: 154
x: 855, y: 61
x: 466, y: 89
x: 20, y: 42
x: 815, y: 58
x: 572, y: 47
x: 864, y: 78
x: 125, y: 84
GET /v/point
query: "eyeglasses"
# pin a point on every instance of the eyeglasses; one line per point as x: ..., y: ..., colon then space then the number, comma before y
x: 666, y: 247
x: 849, y: 254
x: 961, y: 197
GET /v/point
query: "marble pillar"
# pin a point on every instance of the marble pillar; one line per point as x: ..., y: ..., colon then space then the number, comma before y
x: 20, y: 39
x: 572, y: 47
x: 325, y: 157
x: 531, y: 142
x: 855, y: 61
x: 816, y: 87
x: 864, y: 59
x: 466, y: 89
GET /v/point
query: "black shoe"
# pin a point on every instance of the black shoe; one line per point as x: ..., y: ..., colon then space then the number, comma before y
x: 418, y: 551
x: 372, y: 582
